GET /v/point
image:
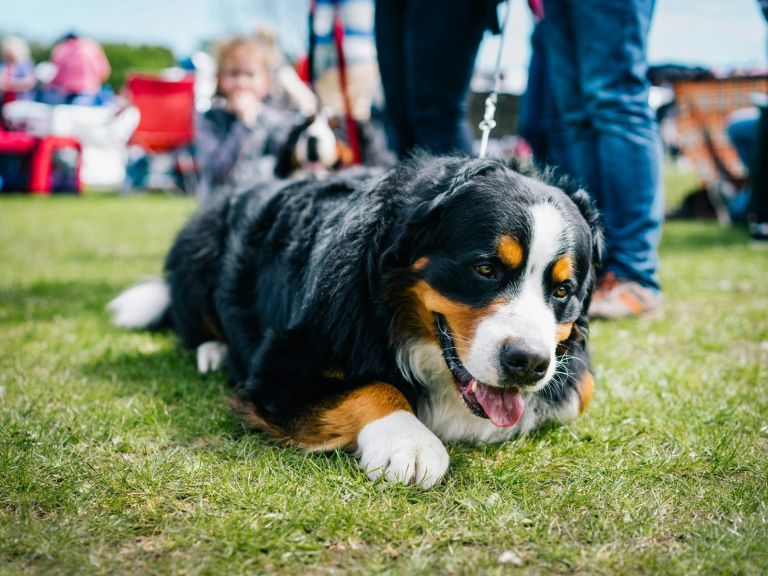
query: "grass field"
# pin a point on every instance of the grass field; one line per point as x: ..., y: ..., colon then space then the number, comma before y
x: 116, y: 457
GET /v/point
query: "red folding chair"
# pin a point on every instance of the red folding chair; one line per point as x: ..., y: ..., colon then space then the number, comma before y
x: 40, y: 153
x: 167, y: 110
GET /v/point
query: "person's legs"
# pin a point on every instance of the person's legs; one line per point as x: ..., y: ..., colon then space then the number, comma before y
x: 538, y: 122
x: 442, y: 38
x: 741, y: 128
x: 742, y: 132
x: 611, y: 127
x: 758, y: 176
x: 530, y: 123
x: 393, y: 64
x: 571, y: 137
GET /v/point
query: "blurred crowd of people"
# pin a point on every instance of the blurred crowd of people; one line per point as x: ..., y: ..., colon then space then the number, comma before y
x: 75, y: 74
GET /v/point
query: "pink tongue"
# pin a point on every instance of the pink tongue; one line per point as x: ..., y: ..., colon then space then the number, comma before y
x: 504, y: 406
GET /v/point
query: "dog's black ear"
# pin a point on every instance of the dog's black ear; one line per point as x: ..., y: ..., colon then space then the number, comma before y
x: 591, y: 215
x: 430, y: 194
x: 286, y: 158
x: 589, y: 211
x: 414, y: 227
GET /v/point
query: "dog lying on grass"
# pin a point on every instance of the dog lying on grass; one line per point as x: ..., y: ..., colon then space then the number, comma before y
x: 386, y: 314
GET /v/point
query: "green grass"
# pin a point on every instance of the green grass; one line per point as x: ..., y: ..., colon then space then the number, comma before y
x: 677, y: 185
x: 116, y: 457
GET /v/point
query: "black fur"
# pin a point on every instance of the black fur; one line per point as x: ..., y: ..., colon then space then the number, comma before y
x: 303, y: 278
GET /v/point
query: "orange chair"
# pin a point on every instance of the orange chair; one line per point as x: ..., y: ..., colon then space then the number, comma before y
x: 167, y: 122
x: 703, y: 110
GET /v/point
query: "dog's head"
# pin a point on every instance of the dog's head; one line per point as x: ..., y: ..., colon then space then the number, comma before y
x: 494, y: 269
x: 315, y: 146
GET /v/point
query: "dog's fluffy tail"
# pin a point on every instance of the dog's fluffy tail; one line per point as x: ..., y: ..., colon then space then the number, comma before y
x: 144, y: 306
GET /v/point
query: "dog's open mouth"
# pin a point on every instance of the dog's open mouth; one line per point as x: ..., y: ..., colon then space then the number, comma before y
x: 502, y: 406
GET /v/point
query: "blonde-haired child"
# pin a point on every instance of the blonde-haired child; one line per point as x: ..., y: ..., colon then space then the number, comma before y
x: 239, y: 138
x: 17, y: 71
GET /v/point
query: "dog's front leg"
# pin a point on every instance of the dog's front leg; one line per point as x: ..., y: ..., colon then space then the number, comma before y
x: 401, y: 449
x: 377, y: 422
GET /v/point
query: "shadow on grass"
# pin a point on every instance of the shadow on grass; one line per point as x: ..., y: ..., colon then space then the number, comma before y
x: 195, y: 404
x: 695, y: 236
x: 168, y: 374
x: 44, y: 300
x: 195, y: 408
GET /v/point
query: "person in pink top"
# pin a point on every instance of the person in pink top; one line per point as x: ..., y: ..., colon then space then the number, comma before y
x: 82, y: 67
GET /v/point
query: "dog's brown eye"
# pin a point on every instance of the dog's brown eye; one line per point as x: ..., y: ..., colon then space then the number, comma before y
x: 485, y: 270
x: 561, y: 291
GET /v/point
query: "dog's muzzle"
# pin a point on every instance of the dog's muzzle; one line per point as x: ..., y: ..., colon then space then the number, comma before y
x: 501, y: 405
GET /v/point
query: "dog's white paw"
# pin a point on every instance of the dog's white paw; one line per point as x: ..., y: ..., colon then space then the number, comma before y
x: 211, y: 356
x: 402, y: 449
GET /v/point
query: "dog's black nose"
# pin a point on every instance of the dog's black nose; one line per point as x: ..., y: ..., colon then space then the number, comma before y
x: 523, y: 365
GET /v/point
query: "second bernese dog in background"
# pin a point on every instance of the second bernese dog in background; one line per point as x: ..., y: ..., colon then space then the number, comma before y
x: 317, y: 147
x: 386, y: 314
x: 312, y: 148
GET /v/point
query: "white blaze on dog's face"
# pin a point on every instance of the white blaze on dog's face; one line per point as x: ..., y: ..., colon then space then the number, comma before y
x: 521, y: 333
x: 502, y: 291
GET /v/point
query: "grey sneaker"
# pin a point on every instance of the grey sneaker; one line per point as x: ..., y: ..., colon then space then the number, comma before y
x: 616, y: 298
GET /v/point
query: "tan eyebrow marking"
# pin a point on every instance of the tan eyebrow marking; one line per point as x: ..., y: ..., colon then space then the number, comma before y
x: 510, y: 251
x: 562, y: 269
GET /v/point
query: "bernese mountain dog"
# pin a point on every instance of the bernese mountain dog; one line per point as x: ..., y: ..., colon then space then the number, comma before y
x: 317, y: 147
x: 387, y: 313
x: 312, y: 147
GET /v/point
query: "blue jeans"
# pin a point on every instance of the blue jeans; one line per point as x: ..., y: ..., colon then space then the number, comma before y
x: 538, y: 121
x: 742, y: 131
x: 609, y: 139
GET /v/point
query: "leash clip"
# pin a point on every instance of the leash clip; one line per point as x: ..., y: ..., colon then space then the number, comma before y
x: 488, y: 122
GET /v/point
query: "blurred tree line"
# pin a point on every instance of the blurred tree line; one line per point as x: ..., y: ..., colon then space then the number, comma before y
x: 122, y: 58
